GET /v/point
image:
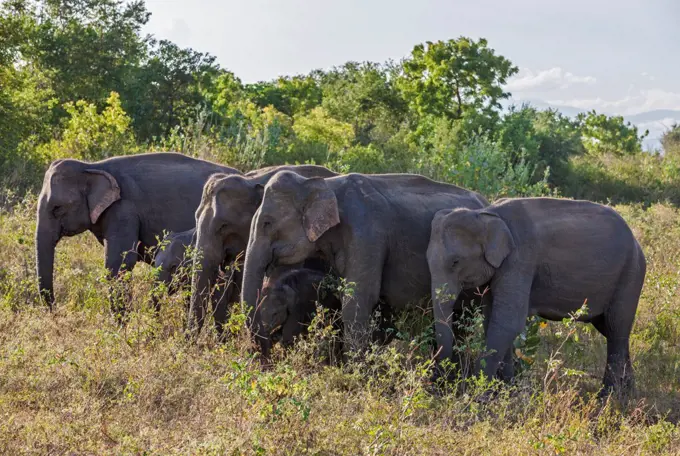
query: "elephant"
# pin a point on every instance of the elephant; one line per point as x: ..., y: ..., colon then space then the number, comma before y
x: 540, y: 256
x: 289, y: 303
x: 171, y: 256
x: 222, y: 228
x: 126, y: 202
x: 373, y: 230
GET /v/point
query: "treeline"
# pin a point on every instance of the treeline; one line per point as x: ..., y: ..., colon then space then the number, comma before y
x: 79, y: 79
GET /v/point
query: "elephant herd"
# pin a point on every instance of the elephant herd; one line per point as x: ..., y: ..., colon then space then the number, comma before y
x: 394, y: 238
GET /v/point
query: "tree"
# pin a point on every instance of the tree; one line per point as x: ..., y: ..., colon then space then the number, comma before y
x: 88, y: 48
x: 92, y: 135
x: 450, y: 78
x: 610, y: 134
x: 546, y: 139
x: 289, y: 95
x: 364, y: 95
x: 167, y: 91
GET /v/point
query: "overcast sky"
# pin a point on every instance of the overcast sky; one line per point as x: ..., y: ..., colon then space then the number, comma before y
x: 619, y: 57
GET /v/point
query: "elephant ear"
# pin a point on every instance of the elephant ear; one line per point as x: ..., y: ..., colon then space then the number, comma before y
x: 321, y: 209
x: 498, y: 241
x: 103, y: 191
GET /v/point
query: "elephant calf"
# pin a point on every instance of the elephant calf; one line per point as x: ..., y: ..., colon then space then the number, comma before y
x: 289, y: 303
x: 170, y: 257
x: 541, y: 256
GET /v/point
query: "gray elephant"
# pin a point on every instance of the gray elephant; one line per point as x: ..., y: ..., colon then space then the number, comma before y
x: 126, y: 202
x: 289, y: 298
x: 541, y: 256
x: 373, y: 230
x: 170, y: 257
x: 222, y: 227
x: 289, y: 303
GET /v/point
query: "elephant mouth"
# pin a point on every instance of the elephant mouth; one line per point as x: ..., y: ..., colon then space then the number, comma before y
x: 276, y: 334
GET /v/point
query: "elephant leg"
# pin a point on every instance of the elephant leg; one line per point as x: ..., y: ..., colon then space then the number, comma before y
x: 121, y: 256
x: 507, y: 319
x: 357, y: 308
x: 618, y: 373
x: 506, y: 369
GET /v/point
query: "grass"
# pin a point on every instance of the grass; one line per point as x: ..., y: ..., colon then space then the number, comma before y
x: 73, y: 382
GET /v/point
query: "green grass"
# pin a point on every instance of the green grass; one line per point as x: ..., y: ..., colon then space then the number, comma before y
x: 73, y: 382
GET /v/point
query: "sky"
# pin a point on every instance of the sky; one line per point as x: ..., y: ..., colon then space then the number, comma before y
x: 619, y: 57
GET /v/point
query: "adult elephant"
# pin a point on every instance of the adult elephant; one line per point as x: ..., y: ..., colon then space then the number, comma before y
x: 222, y: 227
x: 373, y: 230
x: 126, y: 202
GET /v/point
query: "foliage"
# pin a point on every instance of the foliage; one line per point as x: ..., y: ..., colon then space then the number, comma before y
x: 671, y: 141
x: 453, y: 78
x: 610, y: 134
x: 90, y: 135
x: 483, y: 166
x: 167, y: 88
x: 547, y: 138
x: 87, y: 48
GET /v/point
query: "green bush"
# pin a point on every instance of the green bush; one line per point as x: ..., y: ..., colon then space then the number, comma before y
x: 91, y: 135
x: 486, y: 167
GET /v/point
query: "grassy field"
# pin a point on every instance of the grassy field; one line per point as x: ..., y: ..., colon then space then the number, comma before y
x: 73, y: 382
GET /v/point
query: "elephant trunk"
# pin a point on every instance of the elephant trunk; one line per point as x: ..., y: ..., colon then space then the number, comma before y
x: 204, y: 273
x: 443, y: 300
x: 258, y: 257
x: 46, y: 238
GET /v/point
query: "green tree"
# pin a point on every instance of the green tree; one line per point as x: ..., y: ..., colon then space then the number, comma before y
x: 87, y: 48
x: 545, y: 139
x: 289, y: 95
x: 671, y: 141
x: 610, y: 134
x: 364, y: 95
x: 450, y: 78
x: 93, y: 135
x: 168, y: 89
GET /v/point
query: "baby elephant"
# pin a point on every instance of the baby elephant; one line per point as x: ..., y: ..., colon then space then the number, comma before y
x: 289, y: 303
x: 540, y: 256
x: 170, y: 257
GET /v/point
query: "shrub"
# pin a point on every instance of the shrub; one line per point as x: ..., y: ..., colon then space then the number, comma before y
x: 485, y: 167
x: 91, y: 135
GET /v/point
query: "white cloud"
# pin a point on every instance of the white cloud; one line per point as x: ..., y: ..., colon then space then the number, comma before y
x: 551, y: 79
x: 644, y: 100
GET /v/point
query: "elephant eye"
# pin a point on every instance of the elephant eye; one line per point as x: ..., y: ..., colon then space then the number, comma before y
x: 56, y: 210
x: 454, y: 262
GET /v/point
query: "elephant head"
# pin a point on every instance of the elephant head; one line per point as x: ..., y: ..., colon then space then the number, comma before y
x: 295, y: 213
x: 466, y: 247
x: 222, y: 225
x: 72, y: 200
x: 170, y: 257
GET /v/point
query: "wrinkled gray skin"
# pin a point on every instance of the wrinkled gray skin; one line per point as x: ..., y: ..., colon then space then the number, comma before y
x: 373, y: 230
x: 222, y: 228
x: 126, y: 202
x: 171, y: 256
x: 288, y: 305
x: 541, y: 256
